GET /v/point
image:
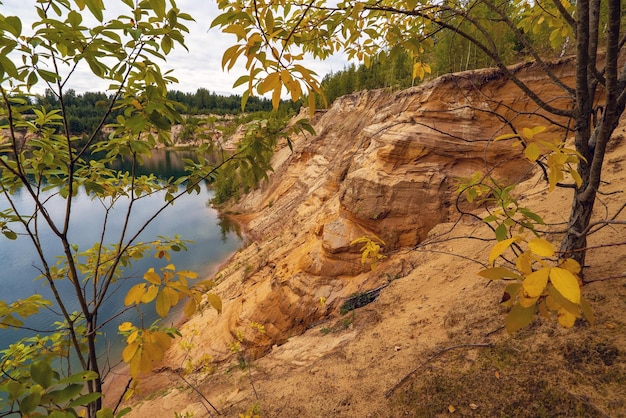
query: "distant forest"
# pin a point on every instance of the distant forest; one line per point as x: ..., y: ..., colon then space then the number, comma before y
x: 391, y: 69
x: 85, y: 111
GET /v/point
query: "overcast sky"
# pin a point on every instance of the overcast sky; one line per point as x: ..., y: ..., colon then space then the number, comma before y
x: 198, y: 68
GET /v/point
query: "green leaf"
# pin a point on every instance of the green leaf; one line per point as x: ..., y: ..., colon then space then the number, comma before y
x: 48, y: 76
x: 61, y: 414
x: 587, y: 311
x: 104, y: 413
x: 30, y: 403
x: 123, y: 412
x: 41, y: 372
x: 501, y: 232
x: 510, y: 293
x: 9, y: 234
x: 519, y: 318
x: 80, y: 377
x: 95, y: 7
x: 85, y: 399
x: 14, y: 25
x: 63, y: 395
x: 166, y: 44
x: 531, y: 215
x: 159, y: 8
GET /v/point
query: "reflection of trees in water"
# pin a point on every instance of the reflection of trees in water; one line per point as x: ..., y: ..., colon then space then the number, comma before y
x: 228, y: 225
x: 164, y: 163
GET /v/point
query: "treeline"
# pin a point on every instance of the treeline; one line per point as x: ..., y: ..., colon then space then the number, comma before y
x: 85, y: 111
x: 204, y: 102
x: 445, y: 52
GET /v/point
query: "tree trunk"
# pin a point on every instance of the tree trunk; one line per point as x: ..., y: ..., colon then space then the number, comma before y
x: 574, y: 242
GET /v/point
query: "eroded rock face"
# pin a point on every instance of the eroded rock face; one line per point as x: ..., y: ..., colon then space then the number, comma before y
x: 382, y: 163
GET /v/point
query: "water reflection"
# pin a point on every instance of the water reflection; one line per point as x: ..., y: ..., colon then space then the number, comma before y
x: 191, y: 217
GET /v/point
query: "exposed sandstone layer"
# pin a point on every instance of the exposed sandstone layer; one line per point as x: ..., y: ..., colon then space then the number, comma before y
x: 382, y: 163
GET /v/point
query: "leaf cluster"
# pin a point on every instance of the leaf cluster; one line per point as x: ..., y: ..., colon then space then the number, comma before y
x: 371, y: 250
x: 552, y: 288
x: 41, y: 389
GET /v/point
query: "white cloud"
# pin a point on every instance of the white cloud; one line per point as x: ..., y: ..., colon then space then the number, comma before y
x: 200, y: 67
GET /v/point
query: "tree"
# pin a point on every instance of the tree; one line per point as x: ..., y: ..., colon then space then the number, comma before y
x: 40, y: 157
x: 274, y: 37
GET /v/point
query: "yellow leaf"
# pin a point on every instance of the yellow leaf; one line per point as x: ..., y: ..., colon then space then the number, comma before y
x: 125, y: 326
x: 188, y: 274
x: 541, y: 247
x: 527, y: 302
x: 215, y: 301
x: 276, y: 96
x: 536, y: 282
x: 499, y: 248
x: 171, y: 267
x: 554, y: 176
x: 172, y: 296
x: 524, y: 263
x: 505, y: 136
x: 271, y: 82
x: 528, y: 133
x: 134, y: 366
x: 150, y: 294
x: 129, y: 352
x: 565, y: 318
x: 571, y: 265
x: 145, y: 363
x: 154, y: 353
x: 418, y: 70
x: 152, y: 277
x: 451, y: 409
x: 532, y: 152
x: 162, y: 304
x: 190, y: 307
x: 135, y: 294
x: 162, y: 339
x: 311, y: 103
x: 237, y: 30
x: 566, y: 284
x: 132, y: 337
x: 574, y: 173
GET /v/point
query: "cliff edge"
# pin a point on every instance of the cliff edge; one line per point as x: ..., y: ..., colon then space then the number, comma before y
x: 382, y: 164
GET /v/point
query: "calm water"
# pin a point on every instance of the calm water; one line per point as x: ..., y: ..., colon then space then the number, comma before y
x: 191, y: 217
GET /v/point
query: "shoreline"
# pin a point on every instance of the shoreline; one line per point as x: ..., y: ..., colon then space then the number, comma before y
x: 117, y: 378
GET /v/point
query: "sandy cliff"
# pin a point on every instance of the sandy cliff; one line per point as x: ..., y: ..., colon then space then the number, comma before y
x: 381, y: 163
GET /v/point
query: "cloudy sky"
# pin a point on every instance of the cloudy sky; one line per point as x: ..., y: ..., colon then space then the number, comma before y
x: 198, y: 68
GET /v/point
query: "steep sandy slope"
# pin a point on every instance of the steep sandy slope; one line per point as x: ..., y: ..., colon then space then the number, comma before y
x: 386, y: 163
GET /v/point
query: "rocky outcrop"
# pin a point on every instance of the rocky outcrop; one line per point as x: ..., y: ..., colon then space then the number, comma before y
x: 381, y: 163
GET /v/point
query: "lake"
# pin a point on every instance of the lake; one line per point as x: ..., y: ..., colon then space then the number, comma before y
x: 191, y: 217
